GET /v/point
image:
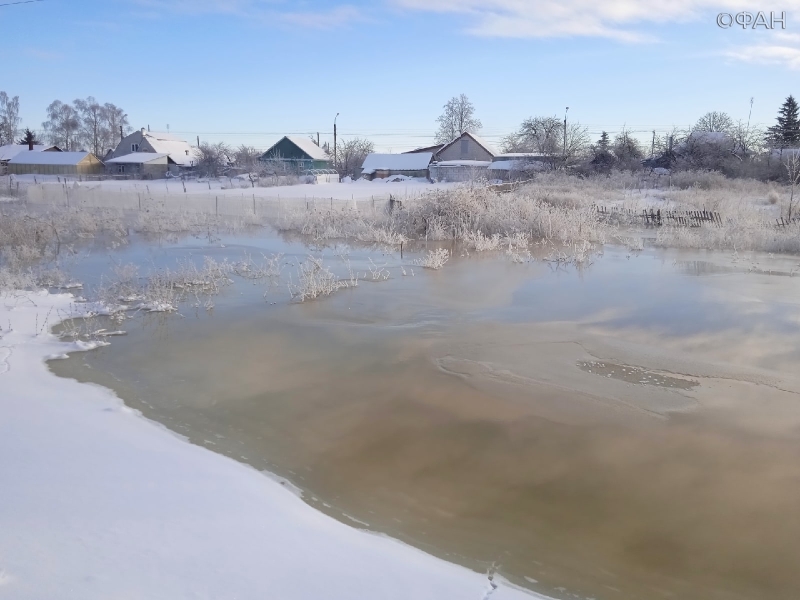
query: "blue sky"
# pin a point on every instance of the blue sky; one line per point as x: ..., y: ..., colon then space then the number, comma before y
x: 247, y: 71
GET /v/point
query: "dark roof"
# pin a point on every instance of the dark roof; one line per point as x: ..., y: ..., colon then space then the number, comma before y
x: 435, y: 148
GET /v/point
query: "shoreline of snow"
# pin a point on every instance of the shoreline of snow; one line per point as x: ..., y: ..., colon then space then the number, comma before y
x: 100, y: 502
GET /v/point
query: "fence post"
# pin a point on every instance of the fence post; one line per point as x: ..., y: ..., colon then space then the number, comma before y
x: 216, y: 205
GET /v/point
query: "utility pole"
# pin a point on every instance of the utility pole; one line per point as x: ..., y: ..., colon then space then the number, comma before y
x: 318, y: 138
x: 653, y: 145
x: 334, y: 140
x: 565, y: 137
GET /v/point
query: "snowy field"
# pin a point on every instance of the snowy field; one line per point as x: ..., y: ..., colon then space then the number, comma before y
x: 347, y: 190
x: 98, y: 502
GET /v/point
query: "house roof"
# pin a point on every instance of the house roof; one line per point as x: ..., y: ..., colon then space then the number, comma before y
x: 463, y: 163
x: 309, y: 147
x: 179, y: 150
x: 49, y: 158
x: 138, y: 158
x: 480, y: 141
x: 435, y: 148
x: 417, y: 161
x: 9, y: 151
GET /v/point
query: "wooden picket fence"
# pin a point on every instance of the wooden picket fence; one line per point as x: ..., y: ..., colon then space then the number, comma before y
x: 787, y: 222
x: 657, y: 218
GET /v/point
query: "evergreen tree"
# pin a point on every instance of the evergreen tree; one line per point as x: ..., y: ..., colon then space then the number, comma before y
x: 29, y: 137
x: 786, y: 133
x: 603, y: 143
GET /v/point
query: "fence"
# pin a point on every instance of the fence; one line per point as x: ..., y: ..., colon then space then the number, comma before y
x: 227, y: 204
x: 657, y: 218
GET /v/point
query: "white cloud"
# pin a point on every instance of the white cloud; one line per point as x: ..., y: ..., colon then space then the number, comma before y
x: 766, y: 54
x: 262, y: 11
x: 616, y: 19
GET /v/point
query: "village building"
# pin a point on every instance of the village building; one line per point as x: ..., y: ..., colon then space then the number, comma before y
x: 55, y: 163
x: 9, y: 151
x: 297, y: 155
x: 184, y: 156
x: 144, y: 165
x: 381, y: 166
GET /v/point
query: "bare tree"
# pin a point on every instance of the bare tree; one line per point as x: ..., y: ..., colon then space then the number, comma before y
x: 792, y: 164
x: 213, y: 158
x: 9, y: 118
x: 458, y: 117
x: 351, y: 155
x: 90, y: 132
x: 115, y: 120
x: 62, y: 125
x: 627, y: 150
x: 247, y: 157
x: 547, y: 137
x: 714, y: 121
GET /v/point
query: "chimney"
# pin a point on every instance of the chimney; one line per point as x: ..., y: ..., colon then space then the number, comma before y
x: 30, y: 143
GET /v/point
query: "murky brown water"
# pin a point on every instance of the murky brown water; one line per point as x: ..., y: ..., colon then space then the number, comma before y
x: 626, y: 432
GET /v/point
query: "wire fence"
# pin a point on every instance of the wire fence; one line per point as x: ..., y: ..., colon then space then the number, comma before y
x: 228, y: 204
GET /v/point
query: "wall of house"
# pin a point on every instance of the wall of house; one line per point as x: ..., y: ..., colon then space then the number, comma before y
x: 384, y: 173
x: 124, y: 147
x: 464, y: 149
x: 458, y: 174
x: 83, y: 168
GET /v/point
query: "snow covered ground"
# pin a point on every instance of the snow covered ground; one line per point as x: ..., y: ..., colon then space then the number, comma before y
x: 359, y: 189
x: 98, y: 502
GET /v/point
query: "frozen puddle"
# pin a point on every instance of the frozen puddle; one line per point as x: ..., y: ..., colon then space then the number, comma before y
x: 637, y: 375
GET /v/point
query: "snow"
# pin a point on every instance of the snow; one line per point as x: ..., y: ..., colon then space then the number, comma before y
x: 100, y: 503
x: 179, y: 151
x: 138, y: 158
x: 48, y: 158
x: 463, y: 163
x: 9, y: 151
x: 309, y: 147
x: 418, y: 161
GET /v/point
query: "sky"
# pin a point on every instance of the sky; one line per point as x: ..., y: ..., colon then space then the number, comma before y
x: 250, y: 71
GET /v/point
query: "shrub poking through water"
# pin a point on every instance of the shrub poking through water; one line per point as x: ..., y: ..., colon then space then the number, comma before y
x: 314, y: 280
x: 434, y: 259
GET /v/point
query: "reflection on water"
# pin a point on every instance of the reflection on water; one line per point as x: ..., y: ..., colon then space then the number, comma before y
x: 627, y: 433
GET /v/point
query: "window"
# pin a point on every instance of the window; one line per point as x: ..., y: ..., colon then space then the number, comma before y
x: 464, y: 148
x: 134, y: 147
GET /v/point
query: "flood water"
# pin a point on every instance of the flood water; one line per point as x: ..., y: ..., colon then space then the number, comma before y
x: 624, y: 431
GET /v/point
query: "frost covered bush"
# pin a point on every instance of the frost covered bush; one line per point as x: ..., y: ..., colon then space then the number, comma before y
x: 314, y: 280
x: 434, y: 259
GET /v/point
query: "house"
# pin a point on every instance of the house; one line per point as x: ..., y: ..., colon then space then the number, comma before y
x: 460, y: 170
x: 55, y: 163
x: 295, y: 154
x: 381, y: 166
x: 9, y: 151
x: 147, y: 165
x: 467, y: 146
x: 182, y: 155
x: 518, y: 165
x: 434, y: 149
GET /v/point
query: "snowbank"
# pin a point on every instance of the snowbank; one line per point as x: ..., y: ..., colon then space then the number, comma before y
x: 98, y: 502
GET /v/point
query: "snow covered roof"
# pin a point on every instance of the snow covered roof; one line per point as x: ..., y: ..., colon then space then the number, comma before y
x: 309, y: 147
x: 160, y: 135
x: 49, y: 158
x: 138, y: 158
x: 179, y: 150
x: 463, y: 163
x: 418, y: 161
x: 9, y: 151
